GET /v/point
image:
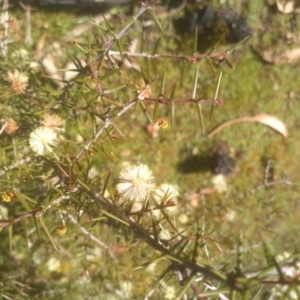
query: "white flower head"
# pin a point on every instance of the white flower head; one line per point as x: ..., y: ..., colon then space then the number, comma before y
x: 42, y: 140
x: 219, y: 183
x: 135, y: 182
x: 166, y: 194
x: 230, y: 215
x: 170, y: 293
x: 126, y: 288
x: 53, y: 264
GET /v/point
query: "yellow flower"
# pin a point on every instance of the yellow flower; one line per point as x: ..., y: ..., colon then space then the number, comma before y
x: 135, y: 182
x: 18, y: 81
x: 61, y: 229
x: 163, y: 124
x: 219, y: 183
x: 6, y: 197
x: 42, y: 140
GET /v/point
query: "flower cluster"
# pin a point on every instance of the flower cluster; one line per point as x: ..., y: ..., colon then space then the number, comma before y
x: 61, y: 229
x: 136, y: 183
x: 6, y: 197
x: 163, y: 124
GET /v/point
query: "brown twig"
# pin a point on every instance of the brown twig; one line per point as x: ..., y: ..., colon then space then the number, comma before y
x: 30, y: 214
x: 94, y: 74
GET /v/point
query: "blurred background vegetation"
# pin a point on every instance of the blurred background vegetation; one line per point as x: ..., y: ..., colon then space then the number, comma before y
x: 257, y: 166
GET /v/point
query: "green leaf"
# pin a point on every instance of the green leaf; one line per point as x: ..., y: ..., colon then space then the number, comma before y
x: 173, y: 105
x: 47, y: 232
x: 25, y: 231
x: 246, y: 294
x: 24, y: 200
x: 271, y: 260
x: 195, y: 44
x: 156, y: 19
x: 215, y: 293
x: 232, y: 295
x: 197, y: 239
x: 107, y: 23
x: 10, y: 236
x: 169, y: 270
x: 106, y: 92
x: 156, y: 46
x: 114, y: 217
x: 163, y: 84
x: 200, y: 116
x: 105, y: 183
x: 185, y: 286
x: 239, y: 257
x: 108, y: 74
x: 145, y: 111
x: 183, y: 70
x: 142, y: 50
x: 194, y: 93
x: 180, y: 251
x: 257, y: 292
x: 148, y: 70
x: 120, y: 49
x: 216, y: 93
x: 155, y: 111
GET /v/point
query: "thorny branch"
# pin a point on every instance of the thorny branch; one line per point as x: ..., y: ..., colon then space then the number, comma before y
x: 137, y: 229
